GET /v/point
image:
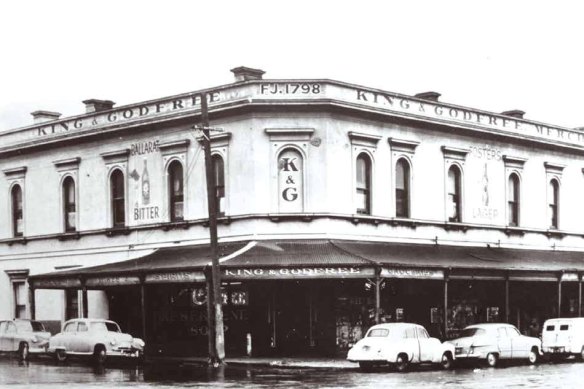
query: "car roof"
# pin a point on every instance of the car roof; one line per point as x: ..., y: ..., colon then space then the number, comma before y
x: 85, y: 320
x: 490, y: 325
x: 395, y: 325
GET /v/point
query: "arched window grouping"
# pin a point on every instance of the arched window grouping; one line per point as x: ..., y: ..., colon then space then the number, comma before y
x: 402, y: 188
x: 176, y: 191
x: 363, y: 184
x: 454, y: 194
x: 118, y: 198
x: 69, y: 205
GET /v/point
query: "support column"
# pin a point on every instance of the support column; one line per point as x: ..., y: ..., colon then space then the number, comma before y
x: 579, y: 295
x: 32, y: 303
x: 84, y: 301
x: 560, y: 296
x: 445, y: 318
x: 507, y: 313
x: 143, y: 307
x: 377, y: 296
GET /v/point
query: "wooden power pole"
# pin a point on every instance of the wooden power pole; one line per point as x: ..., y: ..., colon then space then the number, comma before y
x: 214, y: 298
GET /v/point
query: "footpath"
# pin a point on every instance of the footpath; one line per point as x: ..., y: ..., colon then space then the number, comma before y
x: 288, y: 362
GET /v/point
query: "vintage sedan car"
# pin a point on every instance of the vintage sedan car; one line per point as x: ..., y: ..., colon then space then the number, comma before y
x: 400, y: 344
x: 491, y: 342
x: 23, y: 336
x: 97, y: 338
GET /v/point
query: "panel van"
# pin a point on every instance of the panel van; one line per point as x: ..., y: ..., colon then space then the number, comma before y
x: 563, y: 336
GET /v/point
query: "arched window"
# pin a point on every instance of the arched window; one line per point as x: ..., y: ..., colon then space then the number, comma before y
x: 290, y: 181
x: 219, y: 177
x: 402, y: 188
x: 554, y: 202
x: 118, y: 198
x: 175, y: 191
x: 17, y: 207
x: 454, y: 194
x: 363, y: 184
x: 69, y: 206
x: 513, y: 200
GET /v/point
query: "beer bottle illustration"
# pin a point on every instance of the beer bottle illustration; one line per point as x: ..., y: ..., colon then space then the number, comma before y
x: 145, y: 185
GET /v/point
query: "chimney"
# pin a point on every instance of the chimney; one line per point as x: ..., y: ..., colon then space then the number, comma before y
x: 95, y: 105
x: 428, y: 96
x: 243, y: 73
x: 45, y: 116
x: 516, y: 113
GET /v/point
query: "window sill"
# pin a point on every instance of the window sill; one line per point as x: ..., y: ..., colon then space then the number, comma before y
x: 514, y: 230
x: 555, y: 234
x: 17, y: 240
x: 175, y: 225
x: 69, y: 235
x: 114, y: 231
x: 405, y: 222
x: 455, y: 226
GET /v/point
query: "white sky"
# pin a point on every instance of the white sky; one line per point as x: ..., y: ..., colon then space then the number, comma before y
x: 493, y: 55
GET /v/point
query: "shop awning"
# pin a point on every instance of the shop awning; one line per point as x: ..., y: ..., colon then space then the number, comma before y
x: 319, y: 259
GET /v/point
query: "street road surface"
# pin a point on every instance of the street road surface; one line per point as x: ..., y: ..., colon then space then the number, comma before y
x: 47, y: 374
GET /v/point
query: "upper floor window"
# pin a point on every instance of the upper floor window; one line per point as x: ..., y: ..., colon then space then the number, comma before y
x: 553, y: 202
x: 513, y: 200
x: 402, y: 188
x: 363, y: 184
x: 17, y: 211
x: 219, y: 178
x: 176, y: 191
x: 69, y: 205
x: 118, y: 198
x: 454, y: 194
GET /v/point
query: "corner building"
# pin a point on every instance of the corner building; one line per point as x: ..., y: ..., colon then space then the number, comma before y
x: 339, y: 206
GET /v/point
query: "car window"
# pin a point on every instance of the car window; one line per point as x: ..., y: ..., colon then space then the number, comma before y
x: 2, y: 327
x: 82, y: 327
x: 23, y: 326
x: 467, y: 332
x: 37, y: 326
x: 422, y: 333
x: 11, y: 328
x: 378, y: 332
x: 550, y: 328
x: 513, y: 332
x: 501, y: 332
x: 70, y: 327
x: 411, y: 332
x: 104, y: 326
x: 564, y: 327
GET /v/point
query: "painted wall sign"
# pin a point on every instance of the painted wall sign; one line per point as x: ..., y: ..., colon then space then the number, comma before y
x: 178, y: 276
x: 61, y: 283
x: 146, y: 187
x: 412, y: 273
x: 297, y: 272
x: 569, y: 277
x: 487, y: 189
x: 112, y: 281
x: 290, y: 181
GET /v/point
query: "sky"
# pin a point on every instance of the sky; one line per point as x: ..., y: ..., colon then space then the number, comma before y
x: 491, y: 55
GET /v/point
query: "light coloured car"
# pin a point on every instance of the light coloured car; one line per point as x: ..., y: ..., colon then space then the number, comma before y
x: 563, y: 337
x: 98, y: 338
x: 399, y: 345
x: 491, y: 342
x: 24, y: 337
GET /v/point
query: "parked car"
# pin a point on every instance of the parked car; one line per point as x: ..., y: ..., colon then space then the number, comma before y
x: 23, y: 336
x: 400, y: 344
x: 563, y: 337
x: 491, y: 342
x: 98, y: 338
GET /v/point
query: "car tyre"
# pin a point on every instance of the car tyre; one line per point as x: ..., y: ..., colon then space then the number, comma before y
x: 582, y: 354
x: 446, y: 361
x: 366, y: 366
x: 23, y: 351
x: 533, y: 356
x: 100, y: 354
x: 492, y: 359
x: 60, y: 355
x: 402, y: 363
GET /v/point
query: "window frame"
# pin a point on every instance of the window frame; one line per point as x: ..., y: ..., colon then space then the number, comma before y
x: 69, y: 206
x: 405, y: 195
x: 513, y: 199
x: 175, y: 197
x: 366, y: 189
x: 117, y: 202
x: 17, y: 210
x: 454, y: 198
x: 219, y: 183
x: 554, y: 203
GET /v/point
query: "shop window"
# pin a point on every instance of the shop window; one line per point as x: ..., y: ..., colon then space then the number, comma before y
x: 118, y: 198
x: 17, y: 211
x: 20, y: 297
x: 176, y: 191
x: 71, y: 304
x: 513, y: 200
x: 69, y: 205
x: 290, y: 181
x: 553, y: 202
x: 219, y: 177
x: 454, y: 194
x: 363, y: 184
x: 402, y: 188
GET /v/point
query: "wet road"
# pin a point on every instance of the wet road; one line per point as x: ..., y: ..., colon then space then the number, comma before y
x: 47, y: 374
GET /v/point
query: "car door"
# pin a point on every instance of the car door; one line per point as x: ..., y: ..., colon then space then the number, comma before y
x: 11, y: 336
x: 520, y: 345
x: 427, y: 345
x: 503, y: 343
x: 69, y: 336
x: 82, y: 339
x: 411, y: 344
x: 3, y: 338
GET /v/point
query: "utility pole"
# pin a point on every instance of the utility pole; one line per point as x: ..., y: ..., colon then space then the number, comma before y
x: 214, y: 298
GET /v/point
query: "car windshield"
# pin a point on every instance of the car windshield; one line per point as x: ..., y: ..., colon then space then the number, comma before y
x: 472, y: 332
x: 29, y: 326
x: 378, y: 332
x: 104, y: 326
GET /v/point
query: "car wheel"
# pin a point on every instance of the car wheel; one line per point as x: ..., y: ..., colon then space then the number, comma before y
x: 582, y: 354
x: 492, y: 359
x: 533, y: 356
x: 446, y: 361
x: 23, y: 351
x: 100, y: 355
x: 401, y: 363
x: 365, y: 366
x: 60, y: 355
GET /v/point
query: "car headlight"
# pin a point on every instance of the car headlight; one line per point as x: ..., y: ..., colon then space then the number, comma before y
x: 34, y: 339
x: 472, y: 349
x: 113, y: 342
